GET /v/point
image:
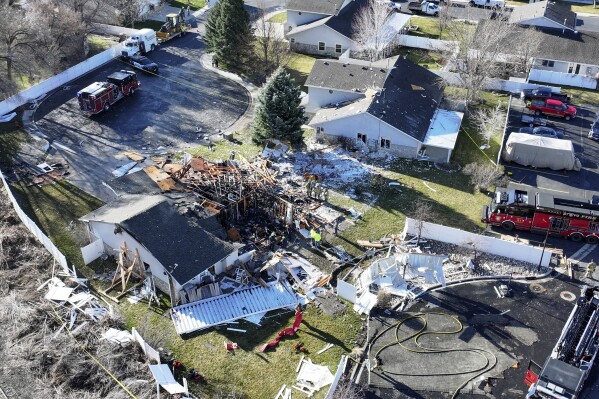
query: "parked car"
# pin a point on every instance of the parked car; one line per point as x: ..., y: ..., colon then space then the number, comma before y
x: 543, y: 131
x: 488, y: 3
x: 426, y: 8
x: 552, y: 107
x: 536, y: 94
x: 143, y: 63
x: 594, y: 132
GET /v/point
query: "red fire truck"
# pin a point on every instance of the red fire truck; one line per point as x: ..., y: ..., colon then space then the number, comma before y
x: 531, y: 210
x: 99, y: 96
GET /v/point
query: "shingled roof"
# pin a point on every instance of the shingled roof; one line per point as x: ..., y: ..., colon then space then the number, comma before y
x: 326, y: 7
x: 409, y: 98
x: 340, y: 75
x: 550, y: 10
x: 343, y: 22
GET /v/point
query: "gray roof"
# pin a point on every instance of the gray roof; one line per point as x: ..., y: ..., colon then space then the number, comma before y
x: 549, y: 10
x: 334, y: 74
x: 343, y: 22
x: 346, y: 109
x: 134, y: 183
x: 178, y: 242
x: 308, y: 26
x: 183, y: 244
x: 326, y: 7
x: 410, y: 96
x: 578, y: 47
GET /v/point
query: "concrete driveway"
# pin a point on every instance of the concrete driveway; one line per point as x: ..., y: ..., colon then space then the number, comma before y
x: 168, y: 112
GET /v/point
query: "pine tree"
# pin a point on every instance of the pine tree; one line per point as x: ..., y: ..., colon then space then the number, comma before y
x: 229, y: 34
x: 279, y: 114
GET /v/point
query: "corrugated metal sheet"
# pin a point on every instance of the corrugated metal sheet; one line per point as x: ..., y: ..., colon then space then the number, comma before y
x: 221, y: 309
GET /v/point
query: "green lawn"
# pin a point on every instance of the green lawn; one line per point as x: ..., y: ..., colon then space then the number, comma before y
x: 193, y: 4
x: 222, y: 149
x: 10, y: 142
x: 279, y: 18
x: 426, y: 59
x: 582, y: 96
x: 97, y: 44
x: 56, y: 208
x: 429, y: 27
x: 299, y: 67
x: 247, y: 371
x: 149, y: 24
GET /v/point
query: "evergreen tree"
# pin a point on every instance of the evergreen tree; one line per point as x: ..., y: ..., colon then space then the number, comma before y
x: 229, y: 34
x: 279, y: 114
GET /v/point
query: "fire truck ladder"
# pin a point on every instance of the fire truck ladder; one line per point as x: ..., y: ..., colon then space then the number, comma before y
x: 579, y: 335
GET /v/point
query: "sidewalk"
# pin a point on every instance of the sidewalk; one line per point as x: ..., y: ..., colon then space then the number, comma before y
x: 252, y: 90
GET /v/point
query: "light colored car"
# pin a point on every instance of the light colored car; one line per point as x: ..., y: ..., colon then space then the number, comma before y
x: 543, y: 131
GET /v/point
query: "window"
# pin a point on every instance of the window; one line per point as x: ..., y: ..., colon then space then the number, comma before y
x: 385, y: 143
x: 338, y: 48
x: 595, y: 226
x: 330, y: 91
x: 292, y: 40
x: 570, y: 68
x: 320, y: 130
x: 321, y: 46
x: 547, y: 63
x: 577, y: 70
x: 362, y: 137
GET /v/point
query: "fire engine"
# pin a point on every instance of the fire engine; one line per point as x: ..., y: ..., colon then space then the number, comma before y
x: 99, y: 96
x: 566, y: 369
x: 576, y: 219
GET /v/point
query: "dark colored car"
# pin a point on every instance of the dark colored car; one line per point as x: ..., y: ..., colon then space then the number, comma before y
x: 542, y: 131
x: 143, y: 63
x: 540, y: 94
x: 594, y: 132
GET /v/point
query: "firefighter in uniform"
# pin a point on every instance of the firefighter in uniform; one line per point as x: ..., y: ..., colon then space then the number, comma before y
x: 591, y: 268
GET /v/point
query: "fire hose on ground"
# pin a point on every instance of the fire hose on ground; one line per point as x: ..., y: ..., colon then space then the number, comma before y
x: 421, y: 349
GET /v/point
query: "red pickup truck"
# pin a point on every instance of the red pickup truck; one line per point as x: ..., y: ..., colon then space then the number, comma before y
x: 552, y: 107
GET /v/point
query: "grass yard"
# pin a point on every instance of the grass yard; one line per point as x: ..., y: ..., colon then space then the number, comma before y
x: 97, y: 44
x: 56, y: 208
x: 10, y: 142
x: 429, y: 27
x: 148, y: 23
x: 248, y: 372
x: 279, y: 18
x: 193, y: 4
x: 299, y: 67
x: 426, y: 59
x: 222, y: 149
x: 582, y: 96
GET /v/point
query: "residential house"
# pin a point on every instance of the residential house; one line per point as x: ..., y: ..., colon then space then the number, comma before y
x: 335, y: 35
x: 301, y: 12
x: 566, y: 56
x: 391, y: 109
x: 177, y: 250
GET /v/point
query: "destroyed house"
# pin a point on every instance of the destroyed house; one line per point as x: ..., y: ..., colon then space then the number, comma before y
x: 176, y: 249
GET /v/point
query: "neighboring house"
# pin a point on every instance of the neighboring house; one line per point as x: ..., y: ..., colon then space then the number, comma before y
x: 178, y: 250
x: 393, y: 109
x: 335, y: 34
x: 301, y: 12
x: 566, y: 56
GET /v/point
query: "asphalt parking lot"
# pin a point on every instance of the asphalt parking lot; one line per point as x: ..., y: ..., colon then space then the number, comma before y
x: 171, y: 111
x: 587, y: 150
x: 528, y: 330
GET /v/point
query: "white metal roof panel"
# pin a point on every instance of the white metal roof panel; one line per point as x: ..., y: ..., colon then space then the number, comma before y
x: 163, y: 376
x: 236, y: 305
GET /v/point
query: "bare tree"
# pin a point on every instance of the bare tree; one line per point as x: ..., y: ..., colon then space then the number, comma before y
x: 478, y: 52
x: 348, y: 390
x: 58, y: 30
x: 130, y: 11
x: 488, y: 121
x: 370, y: 29
x: 483, y: 175
x: 273, y: 52
x: 422, y: 211
x: 444, y: 20
x: 16, y: 43
x: 526, y: 45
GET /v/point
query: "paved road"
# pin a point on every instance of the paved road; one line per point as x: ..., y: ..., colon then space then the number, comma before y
x: 587, y: 23
x: 165, y: 114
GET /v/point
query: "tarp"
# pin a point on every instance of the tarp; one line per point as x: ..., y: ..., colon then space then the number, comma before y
x: 541, y: 152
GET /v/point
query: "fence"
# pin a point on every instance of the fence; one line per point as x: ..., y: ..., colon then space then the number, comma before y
x: 492, y: 245
x: 36, y: 231
x: 509, y: 86
x: 340, y: 370
x: 150, y: 352
x: 425, y: 43
x: 59, y: 80
x: 567, y: 79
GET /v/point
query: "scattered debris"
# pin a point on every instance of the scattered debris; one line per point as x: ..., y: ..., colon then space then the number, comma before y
x: 165, y: 379
x: 118, y: 336
x: 326, y: 348
x: 311, y: 377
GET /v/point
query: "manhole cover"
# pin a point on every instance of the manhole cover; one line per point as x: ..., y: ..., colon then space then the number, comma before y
x: 568, y: 296
x: 536, y: 288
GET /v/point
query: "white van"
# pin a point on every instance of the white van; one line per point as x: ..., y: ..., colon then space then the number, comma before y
x: 488, y: 3
x: 140, y: 43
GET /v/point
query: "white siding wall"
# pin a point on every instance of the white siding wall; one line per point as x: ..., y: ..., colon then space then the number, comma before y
x: 558, y: 66
x: 112, y: 243
x: 367, y: 124
x: 319, y: 97
x: 543, y: 22
x: 307, y: 41
x: 564, y: 67
x: 297, y: 18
